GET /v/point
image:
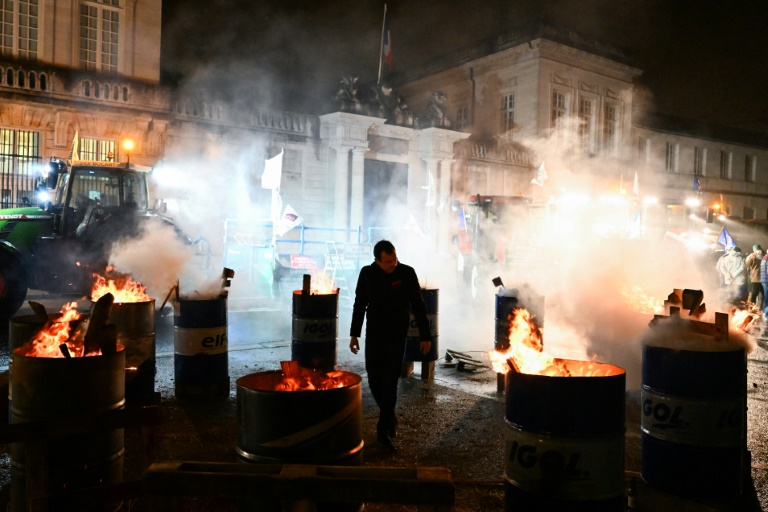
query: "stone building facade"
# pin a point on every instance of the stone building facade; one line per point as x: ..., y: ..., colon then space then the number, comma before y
x: 504, y: 109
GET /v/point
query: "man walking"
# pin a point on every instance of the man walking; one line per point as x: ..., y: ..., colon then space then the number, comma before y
x: 386, y: 293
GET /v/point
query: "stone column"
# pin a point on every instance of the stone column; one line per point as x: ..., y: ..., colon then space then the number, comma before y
x: 341, y: 188
x: 357, y: 190
x: 444, y: 207
x: 430, y: 199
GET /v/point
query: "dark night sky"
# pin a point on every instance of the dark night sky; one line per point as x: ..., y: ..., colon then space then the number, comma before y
x: 700, y: 60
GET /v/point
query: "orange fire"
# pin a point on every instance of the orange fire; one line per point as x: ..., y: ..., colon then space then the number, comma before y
x: 639, y: 302
x: 122, y: 287
x: 48, y: 342
x: 526, y: 353
x: 296, y: 378
x: 742, y: 319
x: 322, y: 284
x: 525, y: 346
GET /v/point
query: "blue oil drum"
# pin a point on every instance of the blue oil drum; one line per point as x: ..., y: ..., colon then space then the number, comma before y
x: 315, y: 330
x: 412, y: 352
x: 693, y: 421
x: 200, y: 358
x: 564, y: 446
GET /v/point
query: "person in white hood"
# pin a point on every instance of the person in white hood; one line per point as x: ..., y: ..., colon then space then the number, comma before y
x: 734, y: 271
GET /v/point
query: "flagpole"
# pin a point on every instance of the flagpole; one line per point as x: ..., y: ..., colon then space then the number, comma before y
x: 381, y: 44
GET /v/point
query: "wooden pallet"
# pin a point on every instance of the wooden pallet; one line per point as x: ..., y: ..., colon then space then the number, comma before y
x: 297, y: 487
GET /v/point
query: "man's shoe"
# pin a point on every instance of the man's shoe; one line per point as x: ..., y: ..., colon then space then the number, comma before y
x: 387, y: 444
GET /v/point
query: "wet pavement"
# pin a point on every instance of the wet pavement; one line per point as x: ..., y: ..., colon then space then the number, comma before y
x: 454, y: 420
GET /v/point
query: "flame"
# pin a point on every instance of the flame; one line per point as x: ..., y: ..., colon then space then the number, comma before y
x: 47, y: 342
x: 296, y: 378
x: 122, y: 287
x: 743, y: 320
x: 639, y: 302
x: 525, y: 347
x: 322, y: 284
x: 526, y: 353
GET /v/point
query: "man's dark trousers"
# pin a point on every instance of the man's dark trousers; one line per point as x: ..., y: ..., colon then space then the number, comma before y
x: 384, y: 361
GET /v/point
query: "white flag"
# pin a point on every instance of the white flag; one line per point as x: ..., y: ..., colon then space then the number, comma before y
x: 288, y: 221
x: 541, y: 175
x: 273, y: 170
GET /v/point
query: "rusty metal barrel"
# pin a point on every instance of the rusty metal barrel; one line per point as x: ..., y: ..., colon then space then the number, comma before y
x: 412, y: 352
x: 693, y: 422
x: 201, y: 358
x: 50, y: 389
x: 22, y: 328
x: 315, y: 330
x: 564, y: 448
x: 322, y: 426
x: 135, y: 323
x: 509, y: 301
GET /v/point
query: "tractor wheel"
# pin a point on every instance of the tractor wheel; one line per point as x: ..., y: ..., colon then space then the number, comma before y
x: 13, y: 286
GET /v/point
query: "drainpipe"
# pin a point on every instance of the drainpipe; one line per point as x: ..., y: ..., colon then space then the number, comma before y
x: 472, y: 107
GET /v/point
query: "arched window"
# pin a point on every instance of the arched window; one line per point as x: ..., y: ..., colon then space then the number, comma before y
x: 115, y: 92
x: 87, y: 88
x: 33, y: 80
x: 9, y: 77
x: 43, y: 81
x: 125, y: 94
x: 22, y: 79
x: 97, y: 90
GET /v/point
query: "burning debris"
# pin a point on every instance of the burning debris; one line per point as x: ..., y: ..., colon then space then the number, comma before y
x: 526, y: 353
x: 297, y: 378
x: 74, y: 334
x: 120, y: 286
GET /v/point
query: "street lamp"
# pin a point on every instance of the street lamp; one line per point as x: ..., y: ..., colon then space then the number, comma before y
x: 128, y: 146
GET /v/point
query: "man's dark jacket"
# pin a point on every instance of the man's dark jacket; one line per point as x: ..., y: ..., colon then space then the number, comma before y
x: 386, y: 299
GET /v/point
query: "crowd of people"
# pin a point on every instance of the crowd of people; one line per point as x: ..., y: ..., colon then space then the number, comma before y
x: 745, y: 279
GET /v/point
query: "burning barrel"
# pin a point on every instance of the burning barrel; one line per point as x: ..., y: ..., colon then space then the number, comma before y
x: 200, y: 360
x: 315, y: 329
x: 281, y: 421
x: 564, y: 447
x: 300, y: 416
x: 412, y: 352
x: 46, y: 389
x: 22, y: 328
x: 694, y: 421
x: 135, y: 323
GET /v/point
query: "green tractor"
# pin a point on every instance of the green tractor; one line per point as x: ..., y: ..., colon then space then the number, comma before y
x: 57, y: 246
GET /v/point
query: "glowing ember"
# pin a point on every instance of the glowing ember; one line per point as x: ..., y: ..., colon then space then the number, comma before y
x: 639, y: 302
x: 121, y: 286
x: 48, y: 342
x: 296, y: 378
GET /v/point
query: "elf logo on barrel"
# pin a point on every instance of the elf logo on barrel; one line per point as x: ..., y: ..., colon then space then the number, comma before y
x: 205, y: 341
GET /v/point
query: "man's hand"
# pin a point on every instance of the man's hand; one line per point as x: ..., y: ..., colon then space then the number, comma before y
x: 354, y: 345
x: 424, y: 347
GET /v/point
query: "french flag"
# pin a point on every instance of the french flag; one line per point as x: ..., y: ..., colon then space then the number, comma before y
x: 386, y: 42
